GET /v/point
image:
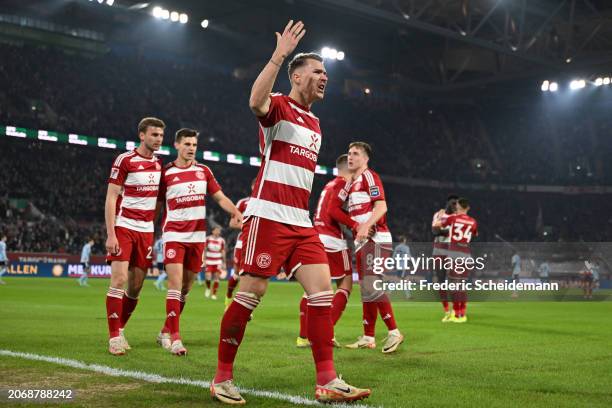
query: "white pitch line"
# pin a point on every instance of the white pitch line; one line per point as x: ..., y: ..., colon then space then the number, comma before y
x: 156, y: 378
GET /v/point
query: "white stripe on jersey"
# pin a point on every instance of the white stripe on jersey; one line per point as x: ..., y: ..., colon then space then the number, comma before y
x: 278, y: 212
x: 358, y: 197
x: 186, y: 214
x: 289, y: 174
x: 369, y: 178
x: 142, y: 178
x: 288, y: 132
x: 120, y: 158
x: 197, y: 236
x: 333, y: 244
x: 297, y: 108
x: 139, y: 203
x: 361, y: 218
x: 140, y: 226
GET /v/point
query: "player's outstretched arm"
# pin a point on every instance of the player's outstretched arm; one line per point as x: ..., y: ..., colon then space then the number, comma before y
x: 112, y: 194
x: 228, y: 206
x: 259, y: 102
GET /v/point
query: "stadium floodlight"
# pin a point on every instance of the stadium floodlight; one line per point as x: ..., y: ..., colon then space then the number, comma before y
x: 204, y: 23
x: 157, y: 12
x: 606, y: 81
x: 100, y: 1
x: 174, y: 16
x: 183, y: 18
x: 165, y: 14
x: 340, y: 55
x: 553, y: 87
x: 545, y: 86
x: 110, y: 2
x: 367, y: 91
x: 599, y: 81
x: 325, y: 52
x: 577, y: 84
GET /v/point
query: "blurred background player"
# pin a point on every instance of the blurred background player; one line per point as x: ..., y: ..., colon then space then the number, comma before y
x: 129, y: 212
x: 4, y: 261
x: 327, y: 220
x: 158, y: 266
x: 462, y: 228
x: 516, y: 271
x: 233, y: 280
x: 85, y: 262
x: 368, y: 207
x: 544, y: 272
x: 440, y: 249
x: 185, y: 183
x: 278, y: 231
x: 588, y: 278
x: 402, y: 250
x: 215, y: 261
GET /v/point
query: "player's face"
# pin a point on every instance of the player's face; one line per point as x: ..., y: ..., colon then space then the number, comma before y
x: 187, y: 148
x: 216, y: 232
x: 357, y: 158
x: 451, y: 206
x: 311, y: 80
x: 152, y: 138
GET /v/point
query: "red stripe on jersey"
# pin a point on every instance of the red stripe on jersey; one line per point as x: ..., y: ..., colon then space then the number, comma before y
x: 138, y: 215
x: 285, y: 194
x: 295, y: 155
x: 189, y: 201
x: 241, y: 205
x: 141, y: 191
x: 185, y: 226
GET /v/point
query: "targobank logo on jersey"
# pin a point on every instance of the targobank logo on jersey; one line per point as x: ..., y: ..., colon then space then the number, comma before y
x: 300, y: 151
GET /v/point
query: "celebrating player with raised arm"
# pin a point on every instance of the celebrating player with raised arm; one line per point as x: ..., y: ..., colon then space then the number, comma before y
x: 368, y: 207
x: 184, y: 186
x: 277, y: 230
x: 129, y: 211
x: 327, y: 222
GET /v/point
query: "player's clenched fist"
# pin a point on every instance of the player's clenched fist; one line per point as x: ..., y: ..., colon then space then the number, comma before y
x: 112, y: 245
x: 289, y: 39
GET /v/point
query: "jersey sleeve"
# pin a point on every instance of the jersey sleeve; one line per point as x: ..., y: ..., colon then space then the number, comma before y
x: 337, y: 199
x: 448, y: 220
x: 212, y: 185
x: 375, y: 188
x: 274, y: 112
x: 118, y: 173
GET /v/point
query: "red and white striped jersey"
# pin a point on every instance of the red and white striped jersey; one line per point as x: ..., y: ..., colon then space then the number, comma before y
x: 214, y: 250
x: 241, y: 205
x: 441, y: 241
x: 289, y: 142
x: 139, y: 178
x: 364, y: 192
x: 462, y: 229
x: 332, y: 197
x: 184, y: 191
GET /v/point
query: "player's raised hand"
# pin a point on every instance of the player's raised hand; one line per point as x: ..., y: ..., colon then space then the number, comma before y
x: 289, y: 39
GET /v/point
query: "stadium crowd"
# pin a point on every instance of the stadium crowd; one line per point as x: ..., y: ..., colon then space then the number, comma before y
x: 105, y: 96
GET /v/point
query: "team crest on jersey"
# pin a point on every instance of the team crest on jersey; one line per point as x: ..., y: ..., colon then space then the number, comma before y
x: 374, y: 191
x: 114, y: 173
x: 200, y: 175
x: 264, y: 260
x: 171, y: 253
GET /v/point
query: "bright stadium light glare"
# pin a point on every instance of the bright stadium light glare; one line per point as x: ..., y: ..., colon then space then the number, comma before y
x: 325, y: 52
x: 165, y: 14
x: 367, y: 91
x: 553, y: 87
x: 157, y: 12
x: 333, y: 53
x: 545, y: 86
x: 100, y: 1
x: 204, y: 23
x: 606, y: 81
x: 110, y: 2
x: 340, y: 55
x: 183, y: 18
x: 174, y: 16
x: 577, y: 84
x: 599, y: 81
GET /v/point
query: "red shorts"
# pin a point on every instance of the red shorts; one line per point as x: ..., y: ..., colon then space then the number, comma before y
x: 237, y: 255
x: 269, y: 245
x: 134, y: 247
x: 213, y: 268
x: 339, y: 263
x: 190, y: 254
x: 460, y: 269
x: 367, y: 263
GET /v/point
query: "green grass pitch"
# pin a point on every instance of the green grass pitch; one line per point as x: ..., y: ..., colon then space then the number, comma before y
x: 511, y: 353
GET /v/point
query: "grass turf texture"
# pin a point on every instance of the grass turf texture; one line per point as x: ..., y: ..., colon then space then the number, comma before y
x: 508, y: 354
